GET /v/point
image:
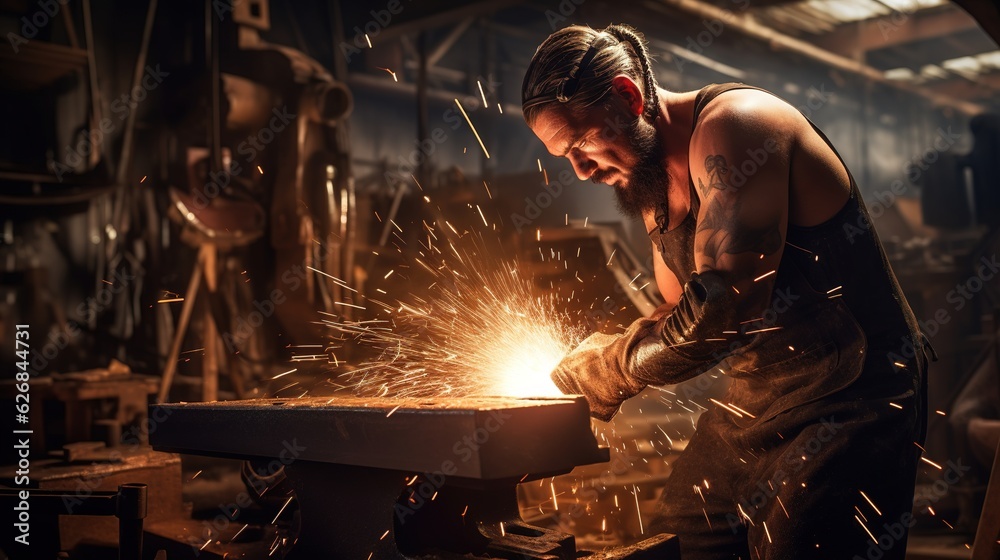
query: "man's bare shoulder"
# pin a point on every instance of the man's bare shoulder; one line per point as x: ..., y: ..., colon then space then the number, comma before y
x: 748, y: 114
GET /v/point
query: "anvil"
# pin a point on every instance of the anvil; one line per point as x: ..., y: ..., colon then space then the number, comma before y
x: 439, y: 475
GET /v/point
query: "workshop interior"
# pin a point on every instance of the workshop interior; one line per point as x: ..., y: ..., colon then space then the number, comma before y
x: 287, y: 278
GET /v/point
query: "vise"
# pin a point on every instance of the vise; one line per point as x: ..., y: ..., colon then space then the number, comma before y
x: 406, y: 478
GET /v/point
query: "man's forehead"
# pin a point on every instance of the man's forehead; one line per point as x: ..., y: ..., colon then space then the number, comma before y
x: 556, y: 129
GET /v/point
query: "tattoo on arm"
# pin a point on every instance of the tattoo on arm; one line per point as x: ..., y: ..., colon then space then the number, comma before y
x: 723, y: 229
x: 718, y: 169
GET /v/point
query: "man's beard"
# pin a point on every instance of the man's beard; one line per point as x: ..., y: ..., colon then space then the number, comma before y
x: 648, y: 182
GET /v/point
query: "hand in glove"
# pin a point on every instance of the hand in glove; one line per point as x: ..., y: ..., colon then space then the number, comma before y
x: 608, y: 369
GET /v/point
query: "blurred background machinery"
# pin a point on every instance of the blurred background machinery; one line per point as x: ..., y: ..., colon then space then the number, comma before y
x: 187, y: 187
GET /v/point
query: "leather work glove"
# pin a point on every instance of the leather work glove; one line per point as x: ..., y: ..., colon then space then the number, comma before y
x: 608, y: 369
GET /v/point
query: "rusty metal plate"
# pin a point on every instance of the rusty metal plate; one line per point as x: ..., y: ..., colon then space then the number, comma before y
x: 485, y: 438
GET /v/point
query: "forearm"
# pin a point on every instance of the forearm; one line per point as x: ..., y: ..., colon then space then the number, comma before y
x: 669, y: 349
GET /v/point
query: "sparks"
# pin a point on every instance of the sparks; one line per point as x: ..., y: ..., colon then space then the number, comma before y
x: 348, y: 305
x: 391, y: 73
x: 783, y: 507
x: 765, y: 275
x: 282, y: 510
x: 434, y: 346
x: 931, y: 463
x: 764, y: 330
x: 865, y: 528
x: 727, y: 407
x: 870, y: 502
x: 483, y: 146
x: 637, y: 510
x: 485, y: 104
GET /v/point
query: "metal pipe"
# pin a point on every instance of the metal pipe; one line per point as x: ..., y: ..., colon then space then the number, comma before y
x: 130, y: 509
x: 125, y: 160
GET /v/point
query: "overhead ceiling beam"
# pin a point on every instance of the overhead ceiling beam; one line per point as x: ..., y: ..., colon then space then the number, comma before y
x: 448, y: 42
x: 856, y: 38
x: 781, y: 42
x: 983, y: 86
x: 445, y: 18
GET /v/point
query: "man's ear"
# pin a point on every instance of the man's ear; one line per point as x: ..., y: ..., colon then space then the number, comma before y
x: 629, y: 91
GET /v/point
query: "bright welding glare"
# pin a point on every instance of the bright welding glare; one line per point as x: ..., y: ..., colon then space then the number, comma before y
x: 480, y: 331
x: 524, y: 356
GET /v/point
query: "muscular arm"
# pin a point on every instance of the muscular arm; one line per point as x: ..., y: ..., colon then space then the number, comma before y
x: 739, y: 161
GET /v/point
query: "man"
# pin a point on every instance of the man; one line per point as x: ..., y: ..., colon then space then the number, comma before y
x: 814, y: 453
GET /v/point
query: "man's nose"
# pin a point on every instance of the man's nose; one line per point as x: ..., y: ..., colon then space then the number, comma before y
x: 584, y: 166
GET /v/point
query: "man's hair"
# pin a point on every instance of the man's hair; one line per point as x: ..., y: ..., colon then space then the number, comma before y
x: 574, y: 68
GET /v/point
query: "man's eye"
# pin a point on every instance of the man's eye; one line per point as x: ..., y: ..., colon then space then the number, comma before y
x: 581, y: 144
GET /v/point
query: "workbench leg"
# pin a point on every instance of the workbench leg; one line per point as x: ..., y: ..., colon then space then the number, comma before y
x: 210, y: 363
x: 175, y: 347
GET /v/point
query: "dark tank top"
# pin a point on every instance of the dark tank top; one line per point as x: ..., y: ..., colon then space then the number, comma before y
x: 837, y: 313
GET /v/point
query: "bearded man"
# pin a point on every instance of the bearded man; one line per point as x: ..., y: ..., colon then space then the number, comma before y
x: 813, y: 450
